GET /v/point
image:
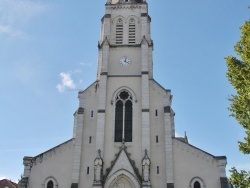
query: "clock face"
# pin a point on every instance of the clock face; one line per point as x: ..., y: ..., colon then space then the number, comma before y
x: 125, y: 61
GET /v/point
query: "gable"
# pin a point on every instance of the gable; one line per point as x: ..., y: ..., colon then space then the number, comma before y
x: 122, y: 171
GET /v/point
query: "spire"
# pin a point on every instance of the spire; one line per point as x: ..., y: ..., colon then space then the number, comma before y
x: 185, y: 137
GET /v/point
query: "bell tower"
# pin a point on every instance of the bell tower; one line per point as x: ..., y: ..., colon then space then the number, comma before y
x: 125, y: 60
x: 125, y: 39
x: 125, y: 69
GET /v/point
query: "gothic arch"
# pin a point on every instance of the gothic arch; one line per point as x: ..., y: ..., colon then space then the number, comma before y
x: 123, y: 117
x: 122, y: 177
x: 115, y: 19
x: 48, y: 180
x: 133, y: 30
x: 197, y: 179
x: 118, y: 29
x: 130, y: 91
x: 132, y: 17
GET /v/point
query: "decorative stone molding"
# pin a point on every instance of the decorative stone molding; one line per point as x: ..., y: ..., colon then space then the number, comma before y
x: 122, y: 169
x: 130, y: 91
x: 122, y: 6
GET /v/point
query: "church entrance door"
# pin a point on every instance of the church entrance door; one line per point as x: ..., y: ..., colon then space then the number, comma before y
x: 121, y: 183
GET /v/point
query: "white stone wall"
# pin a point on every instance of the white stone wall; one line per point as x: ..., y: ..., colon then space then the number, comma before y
x: 159, y: 98
x: 56, y: 164
x: 115, y: 68
x: 90, y: 96
x: 190, y: 162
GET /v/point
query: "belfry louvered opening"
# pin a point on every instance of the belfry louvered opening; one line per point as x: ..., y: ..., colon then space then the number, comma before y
x: 131, y: 31
x: 119, y: 31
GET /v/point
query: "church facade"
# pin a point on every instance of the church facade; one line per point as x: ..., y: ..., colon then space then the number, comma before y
x: 124, y: 131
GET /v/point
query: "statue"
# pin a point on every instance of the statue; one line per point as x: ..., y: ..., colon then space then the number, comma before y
x: 146, y: 167
x: 98, y: 168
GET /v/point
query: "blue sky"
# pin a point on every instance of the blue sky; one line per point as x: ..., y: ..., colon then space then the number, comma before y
x: 48, y: 52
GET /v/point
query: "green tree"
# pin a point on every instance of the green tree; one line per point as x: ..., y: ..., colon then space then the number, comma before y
x: 239, y: 77
x: 240, y: 179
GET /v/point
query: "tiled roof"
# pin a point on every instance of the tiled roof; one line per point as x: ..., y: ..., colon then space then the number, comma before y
x: 7, y: 183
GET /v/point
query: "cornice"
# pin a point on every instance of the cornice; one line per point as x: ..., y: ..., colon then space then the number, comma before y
x: 125, y: 6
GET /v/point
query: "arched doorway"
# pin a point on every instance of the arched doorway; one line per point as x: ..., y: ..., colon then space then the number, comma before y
x: 122, y: 179
x: 121, y: 182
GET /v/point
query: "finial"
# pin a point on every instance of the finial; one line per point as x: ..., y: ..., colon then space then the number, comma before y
x: 123, y: 145
x: 185, y: 137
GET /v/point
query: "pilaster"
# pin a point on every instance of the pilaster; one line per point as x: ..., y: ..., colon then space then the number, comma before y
x: 169, y: 147
x: 145, y: 97
x: 106, y: 26
x: 77, y: 147
x: 222, y: 163
x: 27, y: 162
x: 102, y: 90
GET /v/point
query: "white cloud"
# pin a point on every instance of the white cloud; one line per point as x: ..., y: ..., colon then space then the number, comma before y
x: 66, y: 82
x: 14, y: 13
x: 2, y: 177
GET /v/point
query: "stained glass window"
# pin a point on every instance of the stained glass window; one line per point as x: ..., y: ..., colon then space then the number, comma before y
x: 123, y: 117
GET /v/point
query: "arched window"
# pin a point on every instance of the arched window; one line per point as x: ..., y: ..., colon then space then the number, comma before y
x: 197, y: 184
x: 119, y: 31
x: 123, y: 117
x: 131, y: 31
x: 50, y: 184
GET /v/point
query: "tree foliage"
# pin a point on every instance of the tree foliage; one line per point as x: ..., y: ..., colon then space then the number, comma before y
x: 239, y: 76
x: 240, y: 179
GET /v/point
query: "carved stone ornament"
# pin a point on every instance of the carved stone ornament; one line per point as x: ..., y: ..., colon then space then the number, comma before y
x: 98, y: 168
x: 146, y: 167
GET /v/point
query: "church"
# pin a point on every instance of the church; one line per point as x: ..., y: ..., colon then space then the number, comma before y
x: 124, y: 130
